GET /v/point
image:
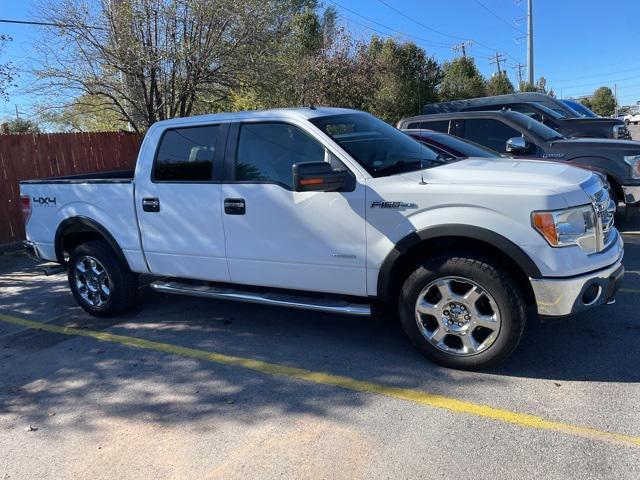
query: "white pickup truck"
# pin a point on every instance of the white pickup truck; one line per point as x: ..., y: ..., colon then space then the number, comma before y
x: 334, y: 210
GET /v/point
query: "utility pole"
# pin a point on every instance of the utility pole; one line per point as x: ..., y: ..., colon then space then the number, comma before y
x: 518, y: 68
x: 462, y: 47
x: 499, y: 58
x: 17, y: 114
x: 615, y: 95
x: 530, y: 39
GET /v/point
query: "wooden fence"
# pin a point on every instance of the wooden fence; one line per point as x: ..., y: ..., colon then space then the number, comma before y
x: 29, y: 156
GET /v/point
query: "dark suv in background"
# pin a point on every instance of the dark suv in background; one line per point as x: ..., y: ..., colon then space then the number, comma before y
x: 545, y: 109
x: 512, y: 132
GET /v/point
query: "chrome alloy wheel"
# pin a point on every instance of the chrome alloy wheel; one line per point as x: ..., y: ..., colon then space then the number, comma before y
x: 457, y: 316
x: 92, y: 281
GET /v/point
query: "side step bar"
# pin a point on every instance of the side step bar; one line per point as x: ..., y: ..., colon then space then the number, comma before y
x: 267, y: 298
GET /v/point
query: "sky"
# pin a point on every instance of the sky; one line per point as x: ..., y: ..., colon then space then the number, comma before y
x: 579, y: 45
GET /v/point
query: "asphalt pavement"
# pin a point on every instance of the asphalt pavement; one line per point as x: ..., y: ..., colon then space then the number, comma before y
x: 192, y: 388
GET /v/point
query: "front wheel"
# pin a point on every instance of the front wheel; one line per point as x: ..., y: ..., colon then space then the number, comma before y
x: 462, y: 311
x: 100, y: 283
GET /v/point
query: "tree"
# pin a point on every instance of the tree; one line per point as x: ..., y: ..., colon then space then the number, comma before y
x: 149, y: 60
x: 527, y: 87
x: 586, y: 101
x: 22, y: 125
x: 499, y: 84
x: 87, y: 113
x: 405, y: 79
x: 603, y: 102
x: 7, y: 70
x: 461, y: 79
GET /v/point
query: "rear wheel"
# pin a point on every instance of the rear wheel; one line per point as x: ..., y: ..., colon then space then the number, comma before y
x: 101, y: 285
x: 462, y: 311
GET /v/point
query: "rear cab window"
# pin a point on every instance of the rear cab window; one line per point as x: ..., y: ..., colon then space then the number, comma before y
x: 186, y: 155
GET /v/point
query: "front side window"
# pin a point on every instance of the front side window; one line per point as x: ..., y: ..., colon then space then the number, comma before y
x: 186, y: 155
x: 380, y: 148
x: 489, y: 132
x: 267, y: 151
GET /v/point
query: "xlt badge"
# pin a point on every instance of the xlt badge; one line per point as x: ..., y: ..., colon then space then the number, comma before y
x: 380, y: 204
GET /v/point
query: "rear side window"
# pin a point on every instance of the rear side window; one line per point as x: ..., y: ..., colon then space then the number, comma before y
x: 267, y: 151
x: 186, y: 155
x: 438, y: 126
x: 489, y: 132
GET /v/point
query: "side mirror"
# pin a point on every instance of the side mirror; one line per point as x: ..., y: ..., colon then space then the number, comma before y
x: 518, y: 145
x: 318, y: 177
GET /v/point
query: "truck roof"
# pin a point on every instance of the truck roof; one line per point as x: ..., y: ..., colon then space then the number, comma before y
x: 457, y: 105
x: 271, y: 114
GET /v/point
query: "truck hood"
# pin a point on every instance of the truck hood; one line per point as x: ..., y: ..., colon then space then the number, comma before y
x: 594, y: 121
x: 596, y: 145
x: 501, y: 172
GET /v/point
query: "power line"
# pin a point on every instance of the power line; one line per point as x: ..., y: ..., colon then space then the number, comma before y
x: 48, y: 24
x: 439, y: 44
x: 384, y: 34
x: 498, y: 17
x: 399, y: 12
x: 599, y: 75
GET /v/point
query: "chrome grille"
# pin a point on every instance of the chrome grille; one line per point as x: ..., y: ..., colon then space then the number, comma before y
x: 605, y: 210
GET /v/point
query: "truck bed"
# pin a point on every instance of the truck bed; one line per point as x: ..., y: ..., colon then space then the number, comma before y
x: 115, y: 176
x: 106, y: 199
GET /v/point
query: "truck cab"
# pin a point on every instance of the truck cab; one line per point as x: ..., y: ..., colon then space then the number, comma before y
x: 334, y: 210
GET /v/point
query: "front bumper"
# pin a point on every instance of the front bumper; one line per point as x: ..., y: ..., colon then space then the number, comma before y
x: 631, y: 194
x: 559, y: 297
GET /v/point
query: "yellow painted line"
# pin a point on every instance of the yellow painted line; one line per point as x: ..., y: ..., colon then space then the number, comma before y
x: 414, y: 396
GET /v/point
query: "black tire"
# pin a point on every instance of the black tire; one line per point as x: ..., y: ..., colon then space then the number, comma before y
x: 626, y: 122
x: 492, y: 278
x: 122, y: 282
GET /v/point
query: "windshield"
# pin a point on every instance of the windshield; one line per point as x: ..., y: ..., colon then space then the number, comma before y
x: 580, y: 109
x: 557, y: 114
x: 380, y: 148
x: 536, y: 128
x: 465, y: 147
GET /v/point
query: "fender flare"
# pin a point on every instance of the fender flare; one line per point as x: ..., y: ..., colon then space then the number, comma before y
x: 510, y: 249
x: 84, y: 224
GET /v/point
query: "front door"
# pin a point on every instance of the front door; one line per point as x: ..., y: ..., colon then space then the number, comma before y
x: 179, y: 205
x: 280, y: 238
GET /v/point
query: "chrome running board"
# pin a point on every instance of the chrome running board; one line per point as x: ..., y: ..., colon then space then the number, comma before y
x: 268, y: 298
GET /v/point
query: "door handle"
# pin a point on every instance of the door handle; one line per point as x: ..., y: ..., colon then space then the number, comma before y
x: 151, y: 204
x: 234, y: 206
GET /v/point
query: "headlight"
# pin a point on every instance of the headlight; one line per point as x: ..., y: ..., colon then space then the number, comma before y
x: 573, y: 226
x: 634, y: 163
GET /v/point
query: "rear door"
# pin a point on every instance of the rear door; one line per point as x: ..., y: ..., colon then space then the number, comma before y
x: 277, y: 237
x: 179, y: 205
x: 489, y: 132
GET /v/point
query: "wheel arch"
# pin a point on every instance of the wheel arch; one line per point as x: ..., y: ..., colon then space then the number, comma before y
x: 75, y: 231
x: 417, y: 245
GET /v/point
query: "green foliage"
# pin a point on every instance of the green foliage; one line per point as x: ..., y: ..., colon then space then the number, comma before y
x: 461, y: 79
x: 22, y: 125
x: 405, y: 79
x: 586, y: 102
x: 88, y: 113
x: 603, y: 102
x: 499, y: 84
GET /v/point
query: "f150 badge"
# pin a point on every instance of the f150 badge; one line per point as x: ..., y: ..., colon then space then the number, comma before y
x: 396, y: 205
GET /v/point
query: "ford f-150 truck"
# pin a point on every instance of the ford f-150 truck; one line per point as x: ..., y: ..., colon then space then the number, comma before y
x: 334, y: 210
